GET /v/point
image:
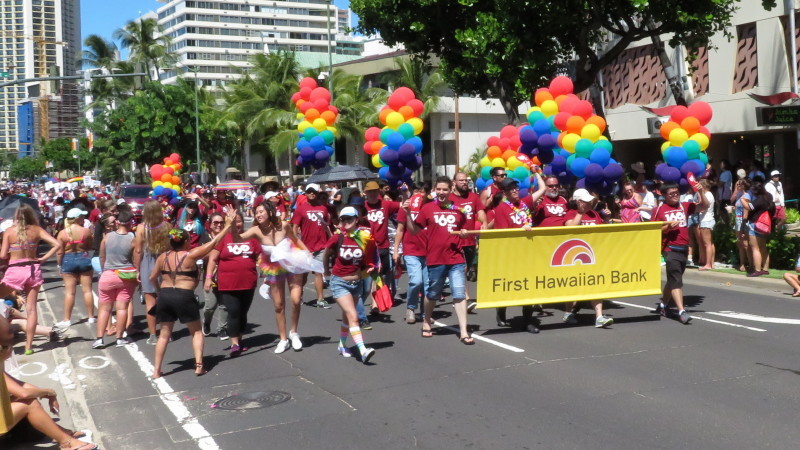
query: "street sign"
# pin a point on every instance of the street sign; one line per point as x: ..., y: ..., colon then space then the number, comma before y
x: 778, y: 115
x: 3, y: 74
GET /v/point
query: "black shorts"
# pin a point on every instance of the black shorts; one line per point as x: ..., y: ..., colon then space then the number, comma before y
x: 470, y: 255
x: 177, y: 304
x: 676, y: 265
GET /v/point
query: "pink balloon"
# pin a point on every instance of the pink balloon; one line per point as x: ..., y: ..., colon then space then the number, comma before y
x: 372, y: 133
x: 702, y: 111
x: 503, y: 143
x: 679, y: 113
x: 569, y: 104
x: 492, y: 141
x: 417, y: 106
x: 508, y: 131
x: 308, y: 82
x: 320, y: 93
x: 583, y: 109
x: 561, y: 85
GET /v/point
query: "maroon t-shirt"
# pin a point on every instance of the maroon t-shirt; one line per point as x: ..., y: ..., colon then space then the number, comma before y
x: 493, y: 191
x: 469, y: 205
x: 313, y: 222
x: 505, y: 217
x: 350, y: 258
x: 443, y: 247
x: 678, y: 213
x: 221, y: 207
x: 378, y: 216
x: 590, y: 217
x: 236, y: 266
x: 550, y: 213
x: 413, y: 244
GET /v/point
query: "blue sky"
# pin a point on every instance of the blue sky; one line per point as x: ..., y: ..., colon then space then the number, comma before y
x: 103, y: 17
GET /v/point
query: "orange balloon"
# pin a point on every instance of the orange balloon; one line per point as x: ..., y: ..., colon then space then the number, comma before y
x: 407, y: 112
x: 329, y: 117
x: 178, y: 166
x: 508, y: 154
x: 376, y: 147
x: 176, y: 180
x: 312, y: 114
x: 691, y: 124
x: 575, y: 124
x: 542, y: 96
x: 383, y: 114
x: 667, y: 128
x: 494, y: 152
x: 561, y: 138
x: 597, y: 120
x: 535, y: 160
x: 560, y: 99
x: 166, y: 178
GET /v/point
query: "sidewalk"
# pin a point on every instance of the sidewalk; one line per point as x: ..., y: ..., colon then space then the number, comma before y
x: 50, y: 367
x: 736, y: 279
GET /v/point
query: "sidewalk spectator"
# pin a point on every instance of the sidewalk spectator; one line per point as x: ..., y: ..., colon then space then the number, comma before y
x: 724, y: 189
x: 705, y: 231
x: 740, y: 195
x: 775, y: 188
x: 793, y: 279
x: 648, y: 200
x: 761, y: 203
x: 630, y: 204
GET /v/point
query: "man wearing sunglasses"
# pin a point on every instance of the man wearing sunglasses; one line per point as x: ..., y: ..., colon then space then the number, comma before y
x: 552, y: 210
x: 493, y: 194
x: 675, y: 232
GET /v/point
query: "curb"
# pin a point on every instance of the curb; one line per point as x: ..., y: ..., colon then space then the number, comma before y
x: 733, y: 279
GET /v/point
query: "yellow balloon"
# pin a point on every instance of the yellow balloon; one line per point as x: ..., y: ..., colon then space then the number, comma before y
x: 376, y: 160
x: 334, y: 131
x: 678, y: 136
x: 394, y: 120
x: 498, y: 162
x: 569, y: 142
x: 302, y: 126
x: 701, y: 139
x: 300, y: 116
x: 155, y: 183
x: 486, y: 162
x: 320, y: 124
x: 602, y: 138
x: 167, y: 185
x: 177, y: 189
x: 590, y: 132
x: 549, y: 108
x: 664, y: 146
x: 158, y: 183
x: 417, y: 123
x: 513, y: 163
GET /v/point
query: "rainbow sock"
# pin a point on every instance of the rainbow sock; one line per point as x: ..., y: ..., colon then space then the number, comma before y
x: 343, y: 333
x: 356, y: 333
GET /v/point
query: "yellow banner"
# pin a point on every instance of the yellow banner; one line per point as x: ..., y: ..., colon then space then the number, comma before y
x: 552, y: 265
x: 6, y: 417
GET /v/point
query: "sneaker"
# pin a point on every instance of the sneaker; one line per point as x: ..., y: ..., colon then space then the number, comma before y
x: 685, y: 317
x: 343, y: 351
x: 323, y: 304
x: 206, y: 329
x: 471, y: 305
x: 92, y: 320
x: 64, y: 324
x: 223, y: 335
x: 123, y: 342
x: 603, y: 322
x: 411, y: 318
x: 531, y: 328
x: 282, y: 346
x: 98, y: 343
x: 28, y: 352
x: 368, y: 354
x: 662, y: 310
x: 297, y: 344
x: 152, y: 340
x: 364, y: 324
x: 569, y: 318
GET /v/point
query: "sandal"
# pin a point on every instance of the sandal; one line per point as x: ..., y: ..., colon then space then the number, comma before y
x: 75, y: 434
x: 85, y: 446
x: 427, y: 333
x: 467, y: 340
x: 796, y: 294
x: 199, y: 366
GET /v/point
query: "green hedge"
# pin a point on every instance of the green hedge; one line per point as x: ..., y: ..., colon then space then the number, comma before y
x: 783, y: 249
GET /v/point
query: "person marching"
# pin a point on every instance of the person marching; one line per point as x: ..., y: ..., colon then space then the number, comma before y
x: 354, y: 256
x: 444, y: 256
x: 379, y: 212
x: 75, y: 264
x: 511, y: 213
x: 472, y: 206
x: 151, y: 239
x: 675, y: 233
x: 552, y: 210
x: 414, y: 248
x: 310, y: 222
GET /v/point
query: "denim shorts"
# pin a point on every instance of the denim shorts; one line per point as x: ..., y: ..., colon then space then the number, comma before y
x: 340, y: 288
x: 76, y: 263
x: 436, y: 276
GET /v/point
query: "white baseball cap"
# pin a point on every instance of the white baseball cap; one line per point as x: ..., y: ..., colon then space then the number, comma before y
x: 348, y: 211
x: 74, y: 213
x: 774, y: 173
x: 582, y: 195
x: 313, y: 186
x: 270, y: 194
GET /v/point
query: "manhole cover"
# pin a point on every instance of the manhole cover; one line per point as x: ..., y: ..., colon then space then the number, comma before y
x: 252, y: 400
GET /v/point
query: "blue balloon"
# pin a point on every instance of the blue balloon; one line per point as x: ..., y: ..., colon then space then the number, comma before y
x: 600, y: 156
x: 158, y: 190
x: 523, y: 192
x: 525, y: 183
x: 671, y: 174
x: 329, y: 149
x: 542, y: 127
x: 694, y: 166
x: 593, y: 173
x: 383, y: 172
x: 564, y: 153
x: 385, y: 133
x: 389, y: 156
x: 416, y: 142
x: 395, y: 140
x: 302, y: 143
x: 317, y: 143
x: 480, y: 183
x: 527, y: 135
x: 675, y: 156
x: 578, y: 166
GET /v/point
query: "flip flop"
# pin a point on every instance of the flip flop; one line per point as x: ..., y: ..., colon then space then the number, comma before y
x: 467, y: 340
x: 427, y: 333
x: 796, y: 294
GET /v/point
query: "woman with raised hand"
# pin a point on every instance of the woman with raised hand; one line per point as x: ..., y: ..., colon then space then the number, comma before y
x: 75, y: 264
x: 214, y: 225
x: 179, y: 275
x: 24, y: 273
x: 150, y: 241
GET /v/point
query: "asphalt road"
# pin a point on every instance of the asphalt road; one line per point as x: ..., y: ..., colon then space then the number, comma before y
x: 647, y: 382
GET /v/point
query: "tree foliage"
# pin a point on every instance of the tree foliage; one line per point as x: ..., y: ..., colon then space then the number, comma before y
x: 508, y: 48
x: 29, y: 168
x: 59, y: 153
x: 139, y: 37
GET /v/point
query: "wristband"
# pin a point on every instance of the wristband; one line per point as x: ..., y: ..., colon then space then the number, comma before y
x: 209, y: 277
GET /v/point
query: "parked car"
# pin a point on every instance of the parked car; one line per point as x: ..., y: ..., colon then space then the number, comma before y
x: 135, y: 195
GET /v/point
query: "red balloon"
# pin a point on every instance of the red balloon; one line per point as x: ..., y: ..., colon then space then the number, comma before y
x: 396, y: 101
x: 560, y: 121
x: 321, y: 104
x: 569, y: 104
x: 417, y: 106
x: 372, y: 134
x: 503, y: 143
x: 320, y: 93
x: 168, y: 170
x: 508, y: 131
x: 679, y: 113
x: 705, y: 131
x: 493, y: 141
x: 702, y: 111
x: 308, y: 82
x: 295, y: 97
x: 175, y: 157
x: 561, y: 86
x: 305, y: 106
x: 305, y: 93
x: 333, y: 109
x: 367, y: 146
x: 583, y: 109
x: 404, y: 93
x: 514, y: 142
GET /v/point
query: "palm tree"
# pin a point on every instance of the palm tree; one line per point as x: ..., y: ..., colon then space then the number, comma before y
x: 139, y: 37
x: 358, y: 107
x: 99, y: 52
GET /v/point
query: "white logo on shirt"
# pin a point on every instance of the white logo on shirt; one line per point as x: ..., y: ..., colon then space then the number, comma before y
x: 349, y: 253
x: 315, y: 216
x: 467, y: 210
x: 238, y: 249
x: 556, y: 210
x: 375, y: 216
x: 445, y: 220
x: 676, y: 216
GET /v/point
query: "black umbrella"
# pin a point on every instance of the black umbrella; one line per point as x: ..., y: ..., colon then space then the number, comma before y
x: 338, y: 174
x: 9, y: 205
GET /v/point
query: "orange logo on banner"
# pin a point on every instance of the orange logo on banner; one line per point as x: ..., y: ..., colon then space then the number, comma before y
x: 572, y: 252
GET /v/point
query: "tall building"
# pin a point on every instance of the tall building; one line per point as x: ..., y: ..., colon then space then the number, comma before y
x: 216, y: 36
x: 344, y: 21
x: 38, y: 38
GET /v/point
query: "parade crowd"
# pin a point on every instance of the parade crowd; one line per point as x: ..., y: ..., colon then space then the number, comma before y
x: 354, y: 242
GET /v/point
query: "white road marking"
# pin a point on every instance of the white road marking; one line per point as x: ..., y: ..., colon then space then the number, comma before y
x: 42, y: 369
x: 735, y: 325
x: 172, y: 401
x: 481, y: 338
x: 62, y: 374
x: 755, y: 318
x: 104, y: 362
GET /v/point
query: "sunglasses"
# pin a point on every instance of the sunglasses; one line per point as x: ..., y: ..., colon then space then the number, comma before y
x: 501, y: 175
x: 217, y: 222
x: 552, y: 185
x: 347, y: 219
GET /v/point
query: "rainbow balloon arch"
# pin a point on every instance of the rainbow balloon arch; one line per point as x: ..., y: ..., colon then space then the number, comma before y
x: 166, y: 177
x: 316, y: 124
x: 686, y: 141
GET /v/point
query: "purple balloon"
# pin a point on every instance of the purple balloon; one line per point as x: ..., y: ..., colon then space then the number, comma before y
x: 548, y: 170
x: 407, y: 153
x: 565, y: 178
x: 580, y: 184
x: 546, y: 141
x: 307, y: 152
x: 671, y: 174
x: 419, y: 161
x: 523, y: 192
x: 389, y: 156
x: 322, y: 156
x: 694, y: 165
x: 397, y: 170
x: 613, y: 172
x: 593, y: 173
x: 546, y: 156
x: 528, y: 136
x: 683, y: 185
x: 559, y: 163
x: 659, y: 169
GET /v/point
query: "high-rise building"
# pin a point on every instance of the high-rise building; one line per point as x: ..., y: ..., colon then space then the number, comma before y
x: 344, y: 21
x: 38, y: 38
x: 216, y: 36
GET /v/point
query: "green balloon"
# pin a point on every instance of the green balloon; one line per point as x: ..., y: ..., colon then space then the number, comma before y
x: 584, y: 148
x: 327, y: 135
x: 407, y: 130
x: 309, y: 133
x: 703, y: 157
x: 692, y: 149
x: 486, y: 173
